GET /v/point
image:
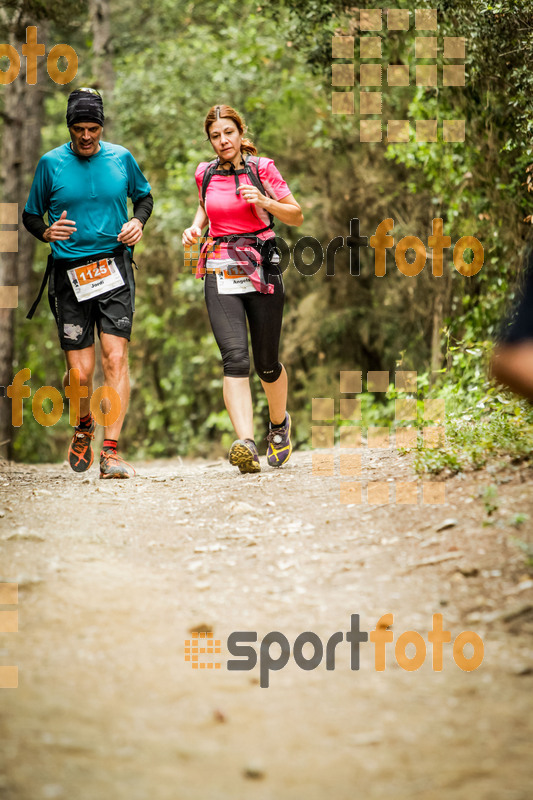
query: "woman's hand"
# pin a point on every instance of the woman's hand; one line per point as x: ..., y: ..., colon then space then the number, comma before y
x: 252, y: 195
x: 286, y: 210
x: 190, y: 235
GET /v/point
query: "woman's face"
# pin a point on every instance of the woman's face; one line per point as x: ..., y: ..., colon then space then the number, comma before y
x: 225, y: 139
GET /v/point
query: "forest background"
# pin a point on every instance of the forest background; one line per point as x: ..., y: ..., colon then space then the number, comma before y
x: 159, y: 66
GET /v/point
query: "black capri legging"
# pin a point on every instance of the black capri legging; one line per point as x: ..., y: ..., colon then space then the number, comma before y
x: 228, y: 313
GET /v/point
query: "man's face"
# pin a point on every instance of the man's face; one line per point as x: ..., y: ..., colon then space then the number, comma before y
x: 85, y: 138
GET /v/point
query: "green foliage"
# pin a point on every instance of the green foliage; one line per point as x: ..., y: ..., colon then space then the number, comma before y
x: 527, y: 549
x: 483, y: 423
x: 172, y: 61
x: 518, y: 519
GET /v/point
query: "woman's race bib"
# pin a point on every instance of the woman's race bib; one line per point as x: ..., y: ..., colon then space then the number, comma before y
x: 231, y: 278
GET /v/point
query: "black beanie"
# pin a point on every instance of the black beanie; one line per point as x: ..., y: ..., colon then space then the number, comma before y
x: 85, y: 105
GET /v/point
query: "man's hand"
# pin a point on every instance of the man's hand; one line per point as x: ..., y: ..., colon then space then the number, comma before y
x: 61, y: 229
x: 131, y: 232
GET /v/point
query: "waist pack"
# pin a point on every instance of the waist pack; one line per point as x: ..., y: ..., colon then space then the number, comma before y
x: 59, y: 263
x: 257, y: 258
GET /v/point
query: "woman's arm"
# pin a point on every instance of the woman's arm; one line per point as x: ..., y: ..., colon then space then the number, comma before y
x: 286, y: 210
x: 198, y: 224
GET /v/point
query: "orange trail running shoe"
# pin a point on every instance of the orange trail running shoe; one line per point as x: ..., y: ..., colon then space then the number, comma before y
x: 113, y: 466
x: 80, y: 452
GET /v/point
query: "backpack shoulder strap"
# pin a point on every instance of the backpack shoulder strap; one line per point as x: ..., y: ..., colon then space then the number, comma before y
x: 208, y: 174
x: 251, y: 166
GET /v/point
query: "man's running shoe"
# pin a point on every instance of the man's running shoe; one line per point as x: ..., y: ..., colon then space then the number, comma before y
x: 113, y: 466
x: 243, y: 454
x: 80, y: 452
x: 279, y: 444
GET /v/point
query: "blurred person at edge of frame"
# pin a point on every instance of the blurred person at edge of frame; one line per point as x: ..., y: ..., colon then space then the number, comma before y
x: 512, y: 361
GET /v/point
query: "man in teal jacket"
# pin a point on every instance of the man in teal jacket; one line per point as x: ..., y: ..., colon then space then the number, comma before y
x: 83, y: 186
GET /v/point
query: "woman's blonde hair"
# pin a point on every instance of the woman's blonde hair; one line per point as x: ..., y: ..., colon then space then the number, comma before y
x: 226, y: 112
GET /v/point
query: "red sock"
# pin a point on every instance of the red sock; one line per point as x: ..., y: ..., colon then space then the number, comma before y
x: 110, y: 444
x: 85, y: 422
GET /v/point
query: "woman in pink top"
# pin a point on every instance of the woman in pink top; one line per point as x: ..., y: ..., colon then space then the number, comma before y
x: 242, y: 281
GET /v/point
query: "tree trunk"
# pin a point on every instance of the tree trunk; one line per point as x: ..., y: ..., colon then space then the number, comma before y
x: 100, y: 15
x: 23, y: 117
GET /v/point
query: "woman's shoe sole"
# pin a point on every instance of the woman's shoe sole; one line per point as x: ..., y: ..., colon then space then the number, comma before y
x: 241, y: 456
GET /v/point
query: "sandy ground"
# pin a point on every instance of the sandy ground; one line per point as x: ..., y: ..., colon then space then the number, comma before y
x: 114, y: 576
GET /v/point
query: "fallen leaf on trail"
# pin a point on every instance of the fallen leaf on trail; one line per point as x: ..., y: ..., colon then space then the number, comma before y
x: 239, y: 507
x: 254, y: 770
x: 426, y: 562
x: 448, y: 523
x: 26, y: 535
x: 203, y: 627
x: 283, y: 565
x: 468, y: 570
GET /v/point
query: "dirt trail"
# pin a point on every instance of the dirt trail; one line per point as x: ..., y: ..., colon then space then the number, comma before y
x: 113, y: 577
